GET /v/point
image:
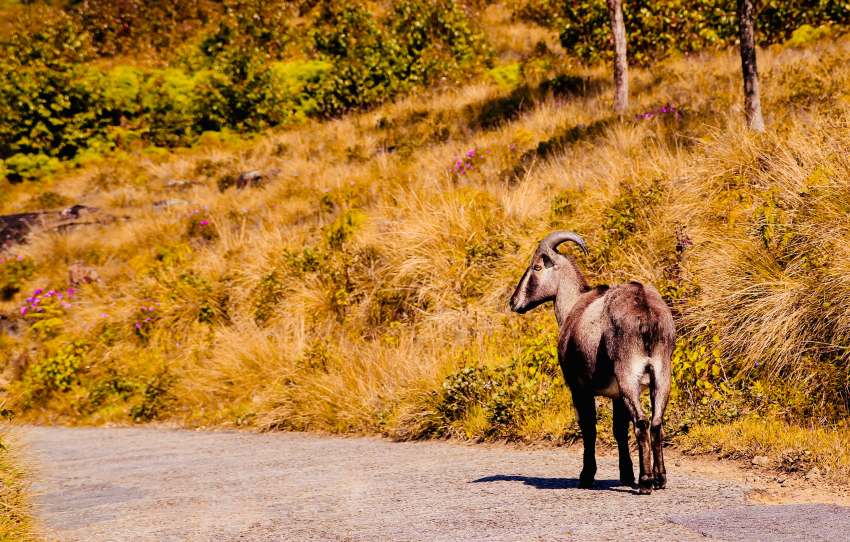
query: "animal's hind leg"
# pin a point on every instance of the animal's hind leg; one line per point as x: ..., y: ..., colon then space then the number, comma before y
x: 586, y: 408
x: 659, y: 392
x: 621, y: 434
x: 630, y: 389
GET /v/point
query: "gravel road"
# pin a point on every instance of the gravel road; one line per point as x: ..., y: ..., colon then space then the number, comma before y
x: 139, y: 484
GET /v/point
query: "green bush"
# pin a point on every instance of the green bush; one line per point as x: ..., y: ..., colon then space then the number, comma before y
x: 59, y: 371
x: 249, y: 70
x: 14, y: 271
x: 507, y: 394
x: 132, y: 25
x: 656, y: 29
x: 416, y: 43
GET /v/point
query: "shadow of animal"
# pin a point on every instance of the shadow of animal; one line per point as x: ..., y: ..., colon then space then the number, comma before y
x: 554, y: 483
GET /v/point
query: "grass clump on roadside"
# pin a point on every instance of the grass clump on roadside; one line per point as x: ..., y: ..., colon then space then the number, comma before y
x: 16, y: 523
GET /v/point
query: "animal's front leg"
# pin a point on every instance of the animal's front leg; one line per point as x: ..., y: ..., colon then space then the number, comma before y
x: 586, y: 408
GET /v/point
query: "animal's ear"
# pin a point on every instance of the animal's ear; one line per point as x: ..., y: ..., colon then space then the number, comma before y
x: 547, y: 261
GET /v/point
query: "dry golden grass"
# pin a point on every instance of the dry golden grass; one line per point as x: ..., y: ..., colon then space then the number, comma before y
x: 341, y: 296
x: 789, y: 448
x: 16, y: 524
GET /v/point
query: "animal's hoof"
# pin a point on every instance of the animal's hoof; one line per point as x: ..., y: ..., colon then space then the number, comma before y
x: 628, y: 482
x: 585, y: 482
x: 644, y: 490
x: 660, y: 481
x: 645, y: 486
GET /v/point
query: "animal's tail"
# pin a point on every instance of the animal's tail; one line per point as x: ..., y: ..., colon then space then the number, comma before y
x: 648, y: 325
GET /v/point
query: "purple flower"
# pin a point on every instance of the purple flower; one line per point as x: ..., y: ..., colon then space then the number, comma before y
x: 104, y: 315
x: 23, y: 311
x: 204, y: 222
x: 37, y: 292
x: 470, y: 153
x: 71, y: 292
x: 66, y: 305
x: 138, y: 326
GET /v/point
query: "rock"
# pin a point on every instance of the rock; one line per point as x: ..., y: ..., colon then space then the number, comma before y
x: 15, y: 228
x: 255, y: 178
x: 249, y: 178
x: 79, y: 274
x: 761, y: 461
x: 166, y: 203
x: 76, y: 211
x: 180, y: 184
x: 813, y: 473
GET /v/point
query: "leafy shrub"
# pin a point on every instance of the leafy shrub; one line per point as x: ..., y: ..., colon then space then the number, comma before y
x: 144, y: 321
x: 807, y: 34
x: 200, y: 227
x: 154, y: 399
x: 45, y: 311
x: 59, y: 371
x: 656, y: 29
x: 14, y: 271
x: 508, y: 75
x: 416, y: 43
x: 506, y: 395
x: 623, y: 218
x: 21, y: 167
x: 127, y: 26
x: 238, y: 75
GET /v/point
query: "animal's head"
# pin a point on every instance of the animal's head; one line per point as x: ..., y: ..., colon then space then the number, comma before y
x: 541, y: 280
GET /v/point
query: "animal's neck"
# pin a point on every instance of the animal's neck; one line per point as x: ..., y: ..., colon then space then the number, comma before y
x: 570, y: 288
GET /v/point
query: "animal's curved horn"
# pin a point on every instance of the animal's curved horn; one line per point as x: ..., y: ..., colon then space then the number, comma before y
x: 556, y: 238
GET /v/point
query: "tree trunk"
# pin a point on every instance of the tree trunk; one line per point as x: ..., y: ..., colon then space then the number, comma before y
x: 752, y: 102
x: 621, y: 66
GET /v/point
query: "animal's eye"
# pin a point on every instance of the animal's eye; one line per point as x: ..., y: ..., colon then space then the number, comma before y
x: 537, y: 268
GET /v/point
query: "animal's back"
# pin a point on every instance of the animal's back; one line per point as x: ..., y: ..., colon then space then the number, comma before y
x: 640, y: 322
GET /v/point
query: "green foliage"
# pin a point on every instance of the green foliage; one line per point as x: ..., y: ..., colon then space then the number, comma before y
x: 144, y: 321
x: 267, y: 295
x: 416, y: 43
x: 57, y: 372
x: 200, y: 227
x: 48, y: 200
x: 508, y: 75
x: 807, y: 34
x: 111, y: 386
x: 506, y: 394
x: 624, y: 217
x: 338, y: 232
x: 154, y: 398
x: 698, y: 369
x: 131, y: 25
x: 14, y: 271
x: 26, y: 167
x: 250, y: 70
x: 657, y: 29
x: 563, y: 205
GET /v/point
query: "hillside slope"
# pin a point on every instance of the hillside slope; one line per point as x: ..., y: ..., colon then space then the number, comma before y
x: 359, y: 282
